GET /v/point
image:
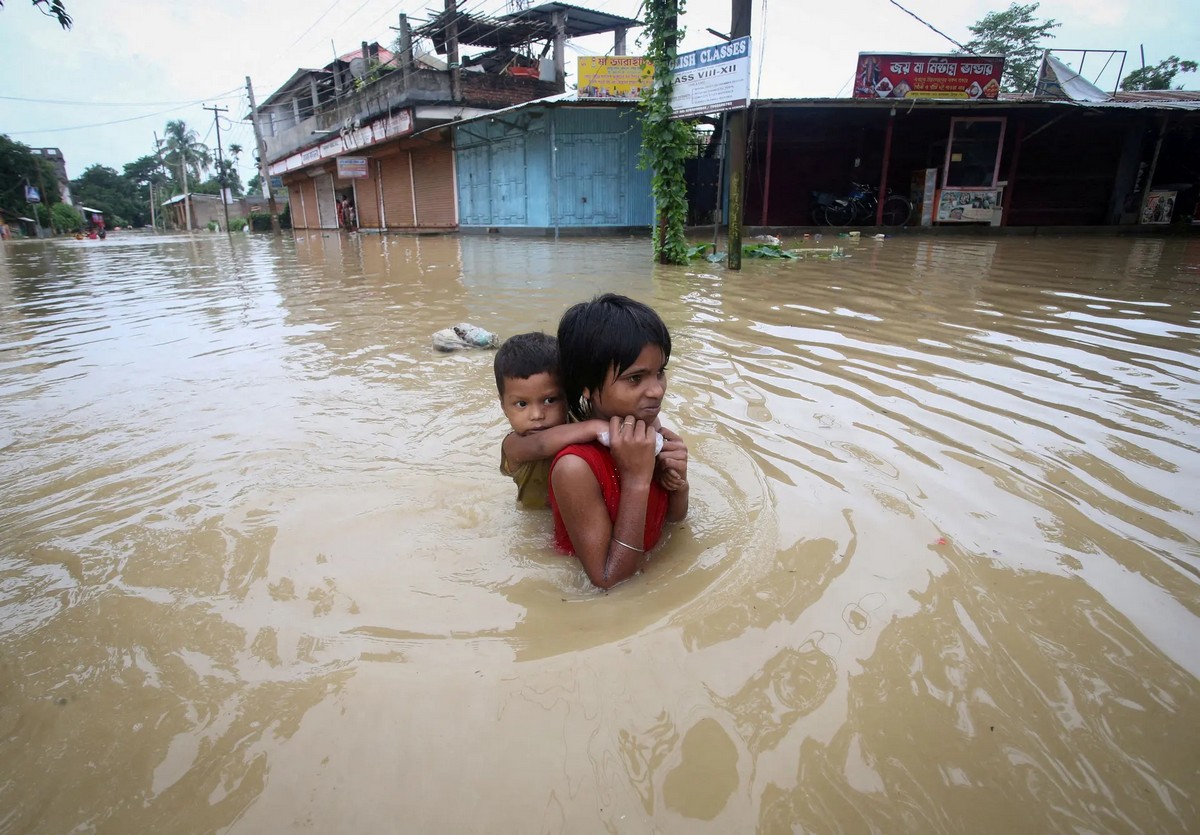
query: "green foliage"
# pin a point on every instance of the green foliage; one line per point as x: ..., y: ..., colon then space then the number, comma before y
x: 260, y: 221
x: 51, y: 8
x: 285, y: 217
x: 1158, y: 77
x: 255, y: 185
x: 232, y: 178
x: 184, y: 150
x: 65, y: 218
x: 666, y: 142
x: 18, y: 167
x: 114, y: 194
x: 1017, y: 35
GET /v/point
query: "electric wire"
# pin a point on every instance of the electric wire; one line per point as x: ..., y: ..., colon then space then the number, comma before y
x: 224, y: 96
x: 931, y: 26
x: 313, y: 25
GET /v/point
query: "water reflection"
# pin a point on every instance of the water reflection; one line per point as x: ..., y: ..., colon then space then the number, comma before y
x: 259, y: 570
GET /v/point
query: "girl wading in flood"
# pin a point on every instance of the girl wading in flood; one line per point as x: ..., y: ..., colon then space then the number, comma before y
x: 609, y: 507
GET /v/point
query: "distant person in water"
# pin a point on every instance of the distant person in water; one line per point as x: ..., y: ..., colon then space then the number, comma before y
x: 609, y: 510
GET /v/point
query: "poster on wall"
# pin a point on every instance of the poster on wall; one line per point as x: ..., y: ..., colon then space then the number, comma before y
x: 613, y: 76
x: 1159, y: 207
x: 923, y: 76
x: 967, y: 205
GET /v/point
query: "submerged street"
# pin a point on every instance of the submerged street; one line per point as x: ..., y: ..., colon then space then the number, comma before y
x: 259, y: 571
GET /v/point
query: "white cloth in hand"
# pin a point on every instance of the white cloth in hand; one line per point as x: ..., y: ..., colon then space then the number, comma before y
x: 658, y: 441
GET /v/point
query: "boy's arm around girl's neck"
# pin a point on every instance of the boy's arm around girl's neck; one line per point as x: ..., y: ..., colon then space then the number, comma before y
x: 520, y: 449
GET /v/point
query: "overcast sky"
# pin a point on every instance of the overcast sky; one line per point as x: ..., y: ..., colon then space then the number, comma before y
x: 150, y: 61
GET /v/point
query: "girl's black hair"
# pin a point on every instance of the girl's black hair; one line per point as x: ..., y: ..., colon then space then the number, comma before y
x: 606, y: 333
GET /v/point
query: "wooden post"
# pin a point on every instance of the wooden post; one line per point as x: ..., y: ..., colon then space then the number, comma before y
x: 1006, y: 200
x: 739, y: 28
x: 767, y: 173
x: 887, y: 161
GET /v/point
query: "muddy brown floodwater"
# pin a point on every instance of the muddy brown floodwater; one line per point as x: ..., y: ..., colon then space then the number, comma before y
x: 259, y: 571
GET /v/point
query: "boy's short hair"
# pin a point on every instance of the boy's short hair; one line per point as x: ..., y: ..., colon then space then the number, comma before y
x: 607, y: 332
x: 524, y: 355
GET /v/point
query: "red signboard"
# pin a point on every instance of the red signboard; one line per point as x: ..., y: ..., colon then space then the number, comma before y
x: 922, y: 76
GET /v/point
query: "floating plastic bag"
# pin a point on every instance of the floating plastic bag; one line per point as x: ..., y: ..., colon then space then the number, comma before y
x: 464, y: 335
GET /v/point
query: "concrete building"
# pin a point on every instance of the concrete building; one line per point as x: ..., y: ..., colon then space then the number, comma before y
x: 55, y: 157
x: 372, y: 127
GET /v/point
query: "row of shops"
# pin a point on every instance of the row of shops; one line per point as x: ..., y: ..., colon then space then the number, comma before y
x: 565, y: 165
x: 383, y: 142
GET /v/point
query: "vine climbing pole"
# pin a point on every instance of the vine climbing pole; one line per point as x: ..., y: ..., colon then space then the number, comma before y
x: 740, y: 28
x: 666, y: 142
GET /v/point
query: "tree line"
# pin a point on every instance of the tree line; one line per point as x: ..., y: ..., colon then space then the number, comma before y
x: 182, y: 163
x: 1020, y: 36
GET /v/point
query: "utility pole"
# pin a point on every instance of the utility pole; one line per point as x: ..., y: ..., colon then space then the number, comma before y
x: 37, y: 223
x: 153, y: 174
x: 262, y: 159
x: 739, y: 28
x: 158, y: 156
x: 221, y: 162
x: 452, y: 50
x: 406, y: 49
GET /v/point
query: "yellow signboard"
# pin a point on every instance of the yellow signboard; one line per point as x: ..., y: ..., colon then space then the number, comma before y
x: 614, y: 77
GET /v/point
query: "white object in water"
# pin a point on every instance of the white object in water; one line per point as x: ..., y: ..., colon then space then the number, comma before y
x: 464, y: 335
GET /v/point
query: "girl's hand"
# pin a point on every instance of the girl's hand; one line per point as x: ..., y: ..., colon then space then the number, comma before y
x: 673, y: 461
x: 671, y: 480
x: 632, y: 444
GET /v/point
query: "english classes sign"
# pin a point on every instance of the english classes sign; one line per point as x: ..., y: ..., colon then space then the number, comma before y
x: 712, y: 79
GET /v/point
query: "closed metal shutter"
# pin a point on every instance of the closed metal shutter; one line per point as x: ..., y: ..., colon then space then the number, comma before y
x: 312, y: 218
x: 366, y: 197
x: 433, y: 176
x: 397, y: 192
x: 327, y: 202
x: 293, y: 202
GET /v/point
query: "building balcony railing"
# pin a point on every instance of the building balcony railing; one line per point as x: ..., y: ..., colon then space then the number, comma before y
x: 395, y: 90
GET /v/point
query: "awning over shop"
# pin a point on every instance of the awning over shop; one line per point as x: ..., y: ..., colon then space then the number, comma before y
x: 93, y: 211
x: 26, y: 219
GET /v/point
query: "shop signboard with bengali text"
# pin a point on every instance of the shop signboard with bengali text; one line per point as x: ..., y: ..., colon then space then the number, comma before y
x: 351, y: 168
x: 613, y: 76
x: 351, y: 139
x: 712, y: 80
x: 924, y: 76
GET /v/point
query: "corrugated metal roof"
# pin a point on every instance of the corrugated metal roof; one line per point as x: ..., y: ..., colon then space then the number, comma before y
x: 1006, y: 100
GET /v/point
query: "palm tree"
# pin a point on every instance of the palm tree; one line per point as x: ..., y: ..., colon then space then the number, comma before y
x: 185, y: 152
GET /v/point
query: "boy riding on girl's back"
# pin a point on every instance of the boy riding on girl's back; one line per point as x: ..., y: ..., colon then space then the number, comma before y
x: 527, y: 378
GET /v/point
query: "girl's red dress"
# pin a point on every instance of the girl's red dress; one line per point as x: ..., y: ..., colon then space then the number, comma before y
x: 600, y: 459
